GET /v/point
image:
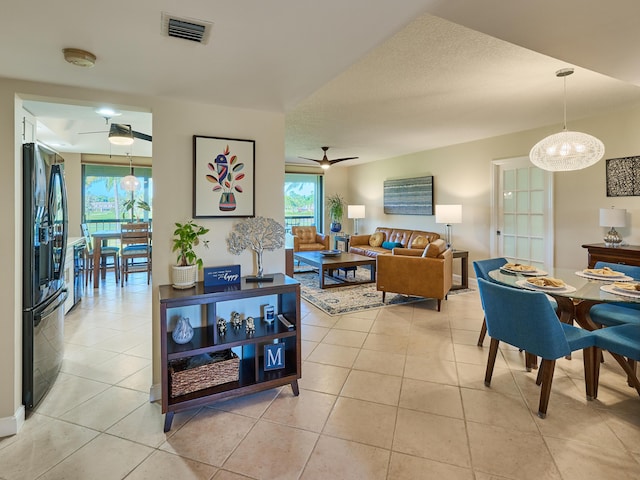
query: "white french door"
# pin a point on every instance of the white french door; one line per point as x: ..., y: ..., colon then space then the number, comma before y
x: 522, y: 212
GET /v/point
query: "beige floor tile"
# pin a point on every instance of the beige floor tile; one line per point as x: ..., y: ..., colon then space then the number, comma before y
x: 435, y: 343
x: 380, y: 362
x: 431, y: 398
x: 67, y: 393
x: 41, y: 444
x: 390, y: 325
x: 467, y: 337
x: 313, y: 333
x: 502, y: 381
x: 260, y: 455
x: 307, y: 347
x: 323, y: 378
x: 511, y: 454
x: 431, y: 369
x: 334, y: 458
x: 352, y: 419
x: 386, y: 343
x: 165, y: 466
x: 373, y: 387
x: 141, y: 380
x: 106, y: 408
x: 334, y: 355
x: 358, y: 324
x: 319, y: 319
x: 346, y: 338
x: 426, y: 325
x: 227, y: 475
x: 194, y: 440
x: 431, y: 436
x: 105, y: 457
x: 113, y: 370
x: 253, y: 405
x: 308, y: 411
x: 407, y: 467
x: 494, y: 408
x: 626, y: 427
x: 474, y: 355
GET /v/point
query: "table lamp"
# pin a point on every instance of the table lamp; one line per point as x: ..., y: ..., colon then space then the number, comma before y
x: 613, y: 217
x: 449, y: 214
x: 355, y: 212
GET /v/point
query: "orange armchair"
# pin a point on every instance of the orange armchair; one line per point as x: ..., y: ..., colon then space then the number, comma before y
x: 306, y: 239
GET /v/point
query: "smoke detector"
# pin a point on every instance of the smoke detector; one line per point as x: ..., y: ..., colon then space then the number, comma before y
x: 79, y: 58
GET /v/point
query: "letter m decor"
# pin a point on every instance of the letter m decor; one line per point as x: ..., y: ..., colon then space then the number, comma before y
x: 274, y: 356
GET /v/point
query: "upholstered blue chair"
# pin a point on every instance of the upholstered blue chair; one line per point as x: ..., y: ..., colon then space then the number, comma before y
x: 482, y: 269
x: 526, y: 320
x: 617, y: 313
x: 621, y: 341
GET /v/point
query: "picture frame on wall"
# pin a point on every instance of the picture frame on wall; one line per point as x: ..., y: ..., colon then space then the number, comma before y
x: 223, y: 177
x: 623, y: 177
x: 408, y: 196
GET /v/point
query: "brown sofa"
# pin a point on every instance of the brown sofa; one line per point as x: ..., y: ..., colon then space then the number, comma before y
x: 306, y: 239
x: 409, y: 271
x: 410, y: 239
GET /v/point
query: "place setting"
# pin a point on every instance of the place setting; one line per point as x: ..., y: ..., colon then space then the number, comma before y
x: 603, y: 274
x: 546, y: 284
x: 522, y: 269
x: 626, y: 289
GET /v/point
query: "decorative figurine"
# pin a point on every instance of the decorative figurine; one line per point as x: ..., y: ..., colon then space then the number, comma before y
x: 251, y: 326
x: 222, y: 326
x: 183, y: 333
x: 236, y: 321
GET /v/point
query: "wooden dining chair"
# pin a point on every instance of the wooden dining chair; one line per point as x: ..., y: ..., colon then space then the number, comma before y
x: 623, y: 343
x: 526, y: 320
x: 135, y: 242
x: 106, y: 253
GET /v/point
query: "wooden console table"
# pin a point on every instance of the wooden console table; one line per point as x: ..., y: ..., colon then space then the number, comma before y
x: 627, y: 255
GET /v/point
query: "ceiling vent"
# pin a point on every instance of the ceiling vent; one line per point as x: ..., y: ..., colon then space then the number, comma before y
x: 186, y: 28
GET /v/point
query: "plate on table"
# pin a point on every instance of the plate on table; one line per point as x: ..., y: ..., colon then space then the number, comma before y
x: 519, y: 268
x: 622, y: 289
x: 543, y: 284
x: 603, y: 274
x: 330, y: 253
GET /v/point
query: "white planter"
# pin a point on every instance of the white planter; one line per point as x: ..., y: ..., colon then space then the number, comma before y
x: 184, y: 277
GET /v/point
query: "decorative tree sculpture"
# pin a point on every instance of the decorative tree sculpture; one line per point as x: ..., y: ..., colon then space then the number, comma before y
x: 259, y: 234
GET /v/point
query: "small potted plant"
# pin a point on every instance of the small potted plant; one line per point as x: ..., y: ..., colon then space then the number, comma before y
x: 335, y: 204
x: 185, y: 237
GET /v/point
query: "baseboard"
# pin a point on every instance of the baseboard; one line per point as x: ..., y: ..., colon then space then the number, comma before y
x: 155, y: 393
x: 12, y: 425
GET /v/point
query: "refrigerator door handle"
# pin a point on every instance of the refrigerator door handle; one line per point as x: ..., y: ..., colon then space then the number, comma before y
x: 50, y: 307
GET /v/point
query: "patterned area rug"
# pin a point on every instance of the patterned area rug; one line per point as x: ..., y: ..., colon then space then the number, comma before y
x: 351, y: 298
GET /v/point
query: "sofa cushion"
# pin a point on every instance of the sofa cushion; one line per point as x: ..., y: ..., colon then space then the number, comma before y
x: 305, y: 234
x: 391, y: 245
x: 376, y: 239
x: 419, y: 242
x: 435, y: 248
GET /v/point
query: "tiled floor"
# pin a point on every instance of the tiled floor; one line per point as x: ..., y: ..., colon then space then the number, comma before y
x: 395, y: 393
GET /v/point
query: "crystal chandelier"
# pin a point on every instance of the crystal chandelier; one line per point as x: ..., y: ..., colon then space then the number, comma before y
x: 566, y: 150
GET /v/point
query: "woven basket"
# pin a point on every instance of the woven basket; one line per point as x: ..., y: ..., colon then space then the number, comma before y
x: 223, y: 368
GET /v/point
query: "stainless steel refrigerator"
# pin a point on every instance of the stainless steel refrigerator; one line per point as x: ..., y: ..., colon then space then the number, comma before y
x: 43, y: 291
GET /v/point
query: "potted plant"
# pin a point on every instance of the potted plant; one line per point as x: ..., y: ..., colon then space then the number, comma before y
x: 335, y: 204
x: 131, y: 205
x: 185, y: 237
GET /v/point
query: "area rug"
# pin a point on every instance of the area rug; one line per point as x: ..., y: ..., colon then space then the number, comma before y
x: 351, y: 298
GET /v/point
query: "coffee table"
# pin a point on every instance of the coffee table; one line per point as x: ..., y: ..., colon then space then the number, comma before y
x: 327, y: 264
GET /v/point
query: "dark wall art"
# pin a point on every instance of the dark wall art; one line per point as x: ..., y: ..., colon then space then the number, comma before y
x: 223, y: 177
x: 409, y: 196
x: 623, y: 177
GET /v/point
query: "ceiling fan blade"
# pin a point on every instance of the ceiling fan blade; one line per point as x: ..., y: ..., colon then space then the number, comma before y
x: 87, y: 133
x: 141, y: 136
x: 306, y: 158
x: 336, y: 160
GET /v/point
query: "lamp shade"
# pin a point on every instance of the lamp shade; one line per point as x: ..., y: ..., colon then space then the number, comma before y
x: 355, y: 211
x: 129, y: 183
x: 120, y: 134
x: 613, y: 217
x: 566, y: 151
x: 448, y: 214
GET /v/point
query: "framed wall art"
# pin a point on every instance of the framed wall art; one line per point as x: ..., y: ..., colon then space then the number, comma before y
x: 409, y: 196
x: 223, y: 177
x: 623, y: 177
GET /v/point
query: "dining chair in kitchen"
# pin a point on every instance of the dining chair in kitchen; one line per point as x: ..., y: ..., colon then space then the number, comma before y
x: 482, y: 269
x: 526, y: 320
x: 106, y: 253
x: 135, y: 241
x: 617, y: 313
x: 623, y: 343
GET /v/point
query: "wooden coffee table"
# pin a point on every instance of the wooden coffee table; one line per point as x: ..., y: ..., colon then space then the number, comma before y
x: 327, y: 264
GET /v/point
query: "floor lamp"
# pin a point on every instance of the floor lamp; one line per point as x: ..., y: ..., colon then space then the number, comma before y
x: 449, y: 214
x: 355, y: 212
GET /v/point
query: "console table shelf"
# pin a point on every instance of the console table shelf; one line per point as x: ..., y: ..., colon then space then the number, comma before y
x: 599, y: 252
x: 205, y: 306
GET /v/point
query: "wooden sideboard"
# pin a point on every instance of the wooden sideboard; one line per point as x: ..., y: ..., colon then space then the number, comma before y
x: 627, y: 255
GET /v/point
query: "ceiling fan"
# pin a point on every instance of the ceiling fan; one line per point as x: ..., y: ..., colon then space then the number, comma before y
x: 325, y: 163
x: 122, y: 134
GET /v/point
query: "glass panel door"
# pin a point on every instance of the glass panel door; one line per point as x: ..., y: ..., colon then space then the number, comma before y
x: 303, y: 200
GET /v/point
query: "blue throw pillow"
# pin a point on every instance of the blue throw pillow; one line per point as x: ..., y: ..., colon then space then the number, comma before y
x: 391, y: 245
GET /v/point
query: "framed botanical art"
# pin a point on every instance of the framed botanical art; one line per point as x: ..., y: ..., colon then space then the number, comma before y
x: 223, y: 177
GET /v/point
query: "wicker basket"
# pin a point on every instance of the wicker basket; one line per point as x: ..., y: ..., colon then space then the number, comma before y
x: 224, y: 367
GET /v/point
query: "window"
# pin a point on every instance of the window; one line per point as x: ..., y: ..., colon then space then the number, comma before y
x: 105, y: 203
x: 303, y: 200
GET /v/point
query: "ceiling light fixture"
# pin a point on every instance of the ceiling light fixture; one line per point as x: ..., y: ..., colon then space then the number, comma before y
x: 130, y: 183
x: 79, y: 58
x: 120, y: 134
x: 566, y: 150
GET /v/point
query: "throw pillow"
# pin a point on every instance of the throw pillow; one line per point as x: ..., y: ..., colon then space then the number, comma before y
x: 420, y: 242
x: 391, y: 245
x: 376, y: 239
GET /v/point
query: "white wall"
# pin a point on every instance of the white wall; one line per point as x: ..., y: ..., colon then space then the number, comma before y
x: 174, y: 124
x: 462, y: 174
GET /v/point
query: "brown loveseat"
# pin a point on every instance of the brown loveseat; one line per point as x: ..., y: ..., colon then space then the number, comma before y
x: 306, y: 239
x: 427, y: 273
x: 374, y: 244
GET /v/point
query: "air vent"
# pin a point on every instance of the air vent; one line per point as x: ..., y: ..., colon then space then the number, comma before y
x: 186, y: 28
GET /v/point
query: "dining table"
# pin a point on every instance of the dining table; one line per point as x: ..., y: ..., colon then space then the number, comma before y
x: 100, y: 238
x: 579, y: 292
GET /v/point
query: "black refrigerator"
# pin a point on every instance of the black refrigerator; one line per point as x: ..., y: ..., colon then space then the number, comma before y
x: 43, y: 289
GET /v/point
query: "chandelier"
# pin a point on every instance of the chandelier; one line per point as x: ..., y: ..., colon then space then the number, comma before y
x: 566, y: 150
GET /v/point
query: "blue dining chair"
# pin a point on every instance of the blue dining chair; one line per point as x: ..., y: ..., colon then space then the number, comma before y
x: 617, y: 313
x: 526, y: 320
x: 623, y: 342
x: 482, y: 269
